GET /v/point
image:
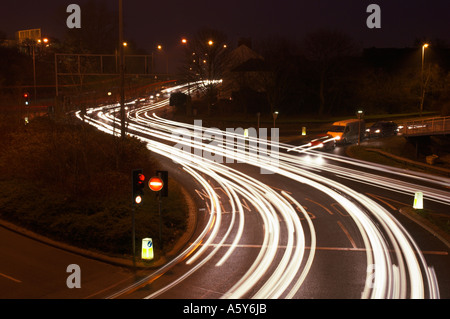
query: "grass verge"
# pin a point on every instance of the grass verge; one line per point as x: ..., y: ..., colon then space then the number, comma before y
x: 72, y: 183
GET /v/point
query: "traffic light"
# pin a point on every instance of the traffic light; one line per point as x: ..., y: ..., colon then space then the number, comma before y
x: 26, y: 97
x: 138, y: 186
x: 164, y: 175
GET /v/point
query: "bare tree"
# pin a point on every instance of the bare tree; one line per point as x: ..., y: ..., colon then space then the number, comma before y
x: 278, y: 53
x: 99, y: 33
x: 206, y: 61
x: 327, y: 49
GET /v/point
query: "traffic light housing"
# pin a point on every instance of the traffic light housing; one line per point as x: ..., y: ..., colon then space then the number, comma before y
x: 164, y: 175
x: 26, y: 96
x: 138, y: 186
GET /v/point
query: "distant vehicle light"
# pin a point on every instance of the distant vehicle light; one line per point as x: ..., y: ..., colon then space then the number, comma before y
x: 377, y: 131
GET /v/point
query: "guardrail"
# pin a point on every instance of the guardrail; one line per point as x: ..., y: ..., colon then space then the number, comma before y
x: 430, y: 126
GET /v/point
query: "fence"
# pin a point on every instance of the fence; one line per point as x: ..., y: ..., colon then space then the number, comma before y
x: 430, y: 126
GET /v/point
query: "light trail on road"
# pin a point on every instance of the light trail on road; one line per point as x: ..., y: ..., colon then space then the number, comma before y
x: 403, y: 274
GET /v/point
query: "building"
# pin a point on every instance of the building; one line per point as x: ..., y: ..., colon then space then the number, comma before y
x: 31, y: 34
x: 244, y: 70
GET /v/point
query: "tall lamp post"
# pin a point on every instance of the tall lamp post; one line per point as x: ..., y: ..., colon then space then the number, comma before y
x: 122, y: 71
x: 360, y: 115
x: 275, y: 115
x: 422, y: 82
x: 160, y: 49
x: 39, y: 41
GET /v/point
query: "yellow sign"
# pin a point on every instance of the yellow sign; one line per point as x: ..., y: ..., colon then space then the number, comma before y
x: 418, y: 200
x: 147, y: 249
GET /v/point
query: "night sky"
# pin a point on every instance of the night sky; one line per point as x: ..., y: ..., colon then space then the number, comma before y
x: 165, y: 21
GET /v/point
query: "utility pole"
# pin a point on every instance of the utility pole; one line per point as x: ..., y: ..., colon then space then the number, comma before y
x: 122, y: 71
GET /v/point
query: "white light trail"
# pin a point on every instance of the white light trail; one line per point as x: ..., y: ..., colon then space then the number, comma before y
x: 275, y: 275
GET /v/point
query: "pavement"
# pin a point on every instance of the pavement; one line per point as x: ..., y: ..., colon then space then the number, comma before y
x: 113, y: 260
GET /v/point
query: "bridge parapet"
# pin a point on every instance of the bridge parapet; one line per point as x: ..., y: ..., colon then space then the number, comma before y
x: 429, y: 126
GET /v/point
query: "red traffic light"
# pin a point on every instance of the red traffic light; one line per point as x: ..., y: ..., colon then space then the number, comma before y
x: 25, y: 95
x: 155, y: 184
x: 138, y: 185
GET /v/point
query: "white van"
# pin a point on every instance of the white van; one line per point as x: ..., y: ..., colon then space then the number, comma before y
x: 347, y: 131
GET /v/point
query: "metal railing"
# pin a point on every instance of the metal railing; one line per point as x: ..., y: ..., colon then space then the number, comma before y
x: 430, y: 126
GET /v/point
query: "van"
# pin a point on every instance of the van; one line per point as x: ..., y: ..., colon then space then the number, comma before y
x: 347, y: 131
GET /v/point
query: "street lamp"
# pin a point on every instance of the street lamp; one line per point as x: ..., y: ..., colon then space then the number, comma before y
x: 422, y: 82
x: 160, y: 48
x: 275, y: 115
x: 360, y: 115
x: 39, y: 41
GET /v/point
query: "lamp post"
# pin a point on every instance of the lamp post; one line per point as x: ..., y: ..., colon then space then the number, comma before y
x: 39, y: 41
x: 360, y: 115
x: 422, y: 82
x: 121, y: 71
x: 275, y: 115
x: 160, y: 49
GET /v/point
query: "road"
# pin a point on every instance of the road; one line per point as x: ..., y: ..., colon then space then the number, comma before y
x: 275, y: 221
x: 292, y: 223
x: 31, y: 269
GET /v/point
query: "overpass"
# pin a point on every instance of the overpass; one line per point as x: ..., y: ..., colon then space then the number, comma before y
x: 425, y: 127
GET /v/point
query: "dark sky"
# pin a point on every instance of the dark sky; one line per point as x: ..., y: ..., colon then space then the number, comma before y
x: 166, y: 21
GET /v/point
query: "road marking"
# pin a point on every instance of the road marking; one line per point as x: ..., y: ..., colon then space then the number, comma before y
x: 10, y: 278
x: 329, y: 211
x: 336, y: 208
x: 383, y: 201
x: 347, y: 234
x: 245, y: 205
x: 281, y: 190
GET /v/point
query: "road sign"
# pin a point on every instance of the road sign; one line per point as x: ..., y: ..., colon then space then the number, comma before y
x: 155, y: 183
x: 147, y: 249
x: 418, y: 200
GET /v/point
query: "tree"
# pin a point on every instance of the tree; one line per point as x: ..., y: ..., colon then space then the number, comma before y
x: 99, y: 31
x: 280, y: 69
x: 328, y: 51
x: 206, y: 60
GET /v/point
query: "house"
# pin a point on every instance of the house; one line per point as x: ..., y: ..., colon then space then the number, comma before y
x: 244, y: 71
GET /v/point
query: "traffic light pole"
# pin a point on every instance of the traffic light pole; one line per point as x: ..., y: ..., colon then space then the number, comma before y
x: 160, y: 219
x: 133, y: 235
x: 122, y: 72
x: 137, y: 184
